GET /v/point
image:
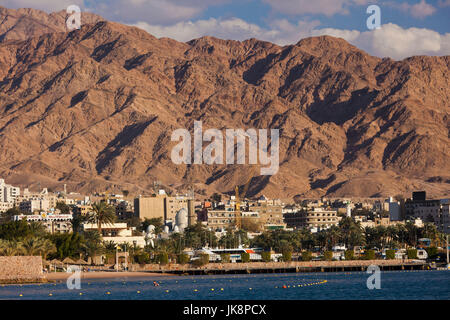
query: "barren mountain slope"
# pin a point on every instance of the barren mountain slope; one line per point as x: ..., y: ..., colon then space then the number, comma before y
x: 95, y: 108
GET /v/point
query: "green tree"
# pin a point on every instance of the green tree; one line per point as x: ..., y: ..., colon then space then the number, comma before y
x: 328, y: 255
x: 15, y: 230
x: 225, y: 257
x: 369, y: 255
x: 287, y: 255
x: 432, y: 252
x: 67, y: 244
x: 265, y: 256
x: 102, y: 213
x: 245, y: 257
x: 202, y: 260
x: 412, y: 253
x: 11, y: 248
x: 349, y: 255
x: 156, y: 222
x: 183, y: 258
x: 63, y: 207
x: 306, y: 256
x: 390, y: 254
x: 163, y: 258
x: 92, y: 244
x: 31, y: 246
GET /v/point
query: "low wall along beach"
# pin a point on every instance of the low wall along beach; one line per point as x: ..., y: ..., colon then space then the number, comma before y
x: 21, y: 269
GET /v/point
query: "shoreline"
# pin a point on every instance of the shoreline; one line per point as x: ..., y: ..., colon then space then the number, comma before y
x: 55, y: 276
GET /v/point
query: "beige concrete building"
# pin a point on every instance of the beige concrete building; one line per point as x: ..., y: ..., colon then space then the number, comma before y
x: 316, y: 219
x: 219, y: 220
x: 34, y: 205
x: 163, y: 206
x: 5, y: 206
x: 270, y: 214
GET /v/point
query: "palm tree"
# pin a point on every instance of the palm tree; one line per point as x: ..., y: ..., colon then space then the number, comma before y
x: 46, y: 248
x: 10, y: 248
x: 93, y: 244
x: 31, y: 246
x: 102, y: 213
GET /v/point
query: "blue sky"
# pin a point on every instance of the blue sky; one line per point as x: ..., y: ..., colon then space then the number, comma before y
x: 409, y: 27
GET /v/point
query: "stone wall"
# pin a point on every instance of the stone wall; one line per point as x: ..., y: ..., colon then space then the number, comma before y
x: 271, y: 265
x: 17, y: 269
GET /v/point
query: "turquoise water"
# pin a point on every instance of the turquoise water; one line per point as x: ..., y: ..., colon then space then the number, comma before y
x: 394, y: 285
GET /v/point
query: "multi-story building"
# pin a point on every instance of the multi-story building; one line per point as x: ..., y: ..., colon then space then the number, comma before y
x: 8, y: 193
x: 270, y: 213
x: 316, y: 219
x: 219, y: 220
x: 31, y: 206
x: 426, y: 210
x: 82, y: 210
x: 5, y: 206
x: 118, y: 233
x: 164, y: 206
x: 44, y: 194
x: 53, y: 223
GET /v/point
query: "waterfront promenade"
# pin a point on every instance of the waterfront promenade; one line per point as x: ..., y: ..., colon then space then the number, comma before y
x: 283, y: 267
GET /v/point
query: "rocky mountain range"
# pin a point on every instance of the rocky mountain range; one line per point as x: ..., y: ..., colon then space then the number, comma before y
x: 95, y: 108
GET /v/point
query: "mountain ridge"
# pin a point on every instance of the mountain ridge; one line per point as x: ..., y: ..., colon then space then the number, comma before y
x: 94, y: 108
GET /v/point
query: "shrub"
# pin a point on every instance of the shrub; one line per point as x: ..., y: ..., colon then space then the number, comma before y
x: 328, y: 255
x: 183, y: 258
x: 265, y: 256
x: 369, y: 255
x: 142, y: 258
x: 412, y: 253
x: 225, y: 257
x: 390, y: 254
x: 163, y: 258
x: 432, y: 252
x: 349, y: 255
x: 306, y: 256
x: 287, y: 255
x: 245, y: 257
x: 202, y: 260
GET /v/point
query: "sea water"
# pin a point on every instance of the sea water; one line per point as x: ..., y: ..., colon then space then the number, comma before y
x: 416, y: 285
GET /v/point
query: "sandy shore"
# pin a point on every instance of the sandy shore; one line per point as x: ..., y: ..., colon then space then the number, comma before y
x: 55, y: 276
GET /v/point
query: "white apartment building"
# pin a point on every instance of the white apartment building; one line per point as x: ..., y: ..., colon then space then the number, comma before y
x: 8, y: 193
x: 5, y: 206
x: 54, y: 223
x: 31, y: 206
x: 119, y: 233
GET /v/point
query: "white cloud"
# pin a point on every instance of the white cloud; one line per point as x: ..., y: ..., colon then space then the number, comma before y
x: 45, y: 5
x: 444, y: 3
x: 161, y: 12
x: 325, y: 7
x: 390, y: 40
x: 419, y: 10
x: 281, y: 31
x: 396, y: 42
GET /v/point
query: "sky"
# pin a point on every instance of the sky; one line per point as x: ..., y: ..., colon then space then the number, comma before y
x: 408, y: 27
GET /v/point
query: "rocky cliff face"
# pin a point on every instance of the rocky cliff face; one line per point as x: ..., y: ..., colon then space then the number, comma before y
x: 95, y: 108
